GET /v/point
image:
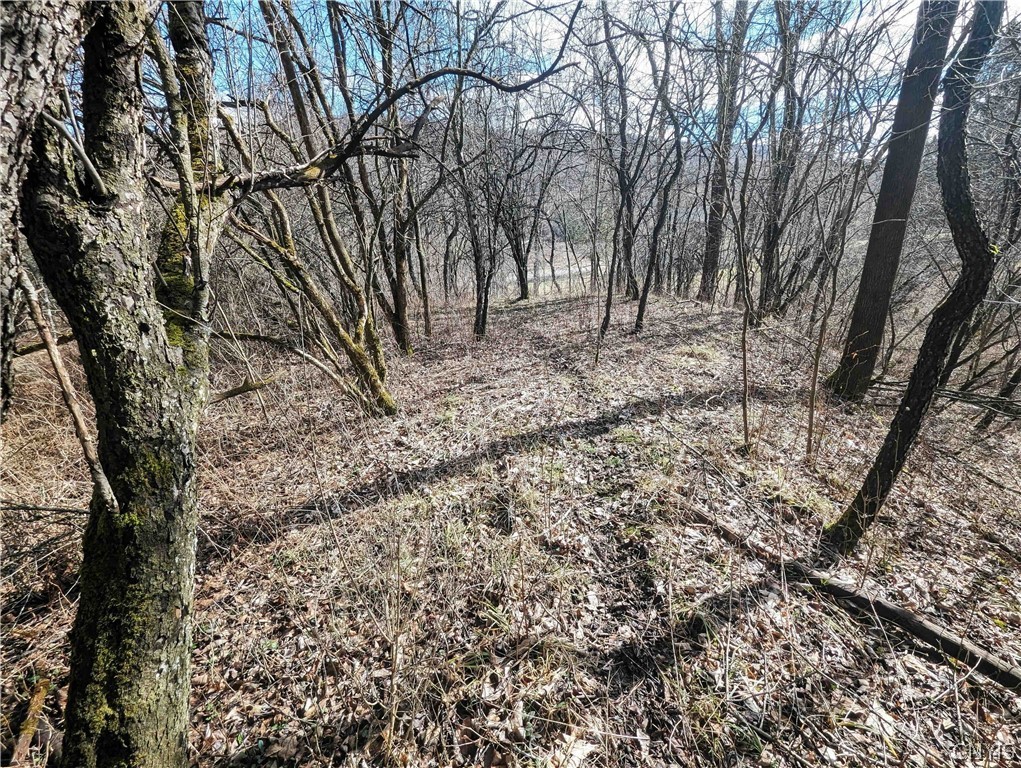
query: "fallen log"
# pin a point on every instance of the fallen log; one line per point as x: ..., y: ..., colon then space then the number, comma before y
x: 950, y: 643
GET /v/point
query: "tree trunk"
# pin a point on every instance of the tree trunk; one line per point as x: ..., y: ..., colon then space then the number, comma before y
x: 977, y: 259
x: 520, y: 258
x: 482, y: 278
x: 399, y: 287
x: 403, y: 232
x: 628, y: 248
x: 652, y: 268
x: 604, y: 326
x: 37, y: 40
x: 783, y: 165
x: 900, y: 177
x: 449, y: 275
x: 427, y: 318
x: 143, y: 338
x: 364, y: 350
x: 131, y: 642
x: 727, y: 111
x: 628, y: 161
x: 483, y: 285
x: 552, y: 260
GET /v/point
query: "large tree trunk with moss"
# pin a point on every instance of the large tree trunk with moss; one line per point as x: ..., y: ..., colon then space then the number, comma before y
x: 977, y: 259
x: 141, y: 328
x: 900, y: 177
x: 36, y: 40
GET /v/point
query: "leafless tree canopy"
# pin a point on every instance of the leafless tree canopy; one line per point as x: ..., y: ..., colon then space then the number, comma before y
x: 524, y: 321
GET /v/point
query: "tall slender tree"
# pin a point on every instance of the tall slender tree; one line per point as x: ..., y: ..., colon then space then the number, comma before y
x: 729, y: 55
x: 900, y: 177
x: 792, y: 19
x: 977, y: 261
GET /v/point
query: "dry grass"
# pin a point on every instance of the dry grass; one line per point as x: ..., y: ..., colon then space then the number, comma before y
x: 504, y: 573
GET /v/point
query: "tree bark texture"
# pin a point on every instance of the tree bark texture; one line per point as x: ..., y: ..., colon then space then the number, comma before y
x: 36, y: 41
x: 147, y: 368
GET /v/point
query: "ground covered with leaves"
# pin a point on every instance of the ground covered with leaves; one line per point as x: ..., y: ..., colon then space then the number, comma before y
x: 517, y: 569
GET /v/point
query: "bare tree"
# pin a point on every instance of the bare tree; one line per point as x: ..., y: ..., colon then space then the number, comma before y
x: 729, y: 55
x: 900, y: 177
x: 977, y: 255
x: 672, y: 160
x: 792, y: 20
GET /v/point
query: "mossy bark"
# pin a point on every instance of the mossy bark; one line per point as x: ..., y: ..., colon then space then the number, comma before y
x: 11, y: 303
x: 141, y: 327
x: 128, y: 696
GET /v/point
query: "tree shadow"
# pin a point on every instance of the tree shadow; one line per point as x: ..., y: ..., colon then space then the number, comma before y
x: 541, y: 308
x: 227, y: 539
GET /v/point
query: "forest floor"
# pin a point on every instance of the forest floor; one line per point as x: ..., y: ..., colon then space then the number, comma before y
x: 510, y: 572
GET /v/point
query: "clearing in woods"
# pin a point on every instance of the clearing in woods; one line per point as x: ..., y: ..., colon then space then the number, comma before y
x: 512, y: 570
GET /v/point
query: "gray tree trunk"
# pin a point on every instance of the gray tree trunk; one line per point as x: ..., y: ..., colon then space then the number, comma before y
x: 36, y: 40
x: 142, y: 337
x: 727, y: 111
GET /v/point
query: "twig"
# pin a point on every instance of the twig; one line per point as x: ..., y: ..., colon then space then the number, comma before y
x: 67, y: 390
x: 1000, y: 405
x: 972, y: 469
x: 90, y: 169
x: 249, y: 385
x: 14, y: 506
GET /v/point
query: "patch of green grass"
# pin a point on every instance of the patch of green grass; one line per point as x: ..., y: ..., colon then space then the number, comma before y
x: 556, y: 471
x: 285, y: 559
x: 495, y: 616
x: 626, y: 435
x: 450, y: 406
